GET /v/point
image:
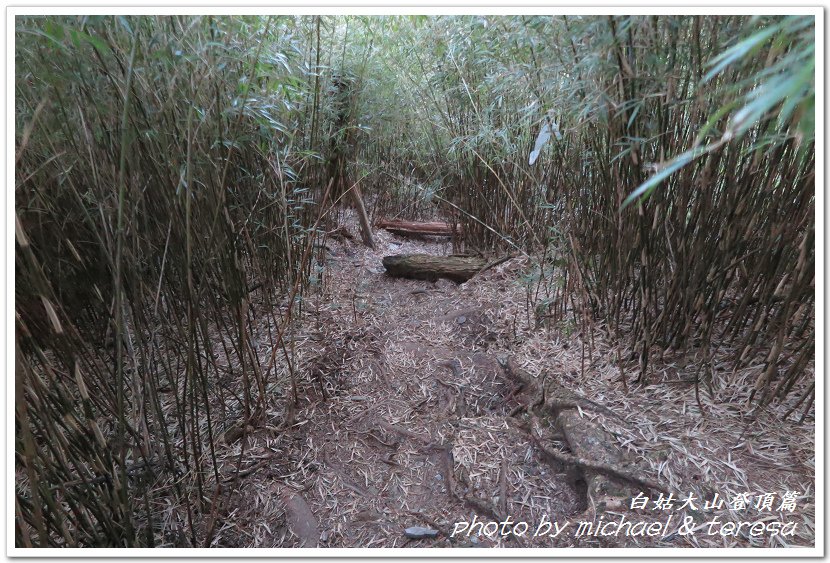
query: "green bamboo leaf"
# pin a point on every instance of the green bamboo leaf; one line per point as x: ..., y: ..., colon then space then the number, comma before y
x: 76, y: 40
x: 634, y: 114
x: 739, y: 51
x: 766, y: 97
x: 96, y: 42
x: 645, y: 189
x: 54, y: 31
x: 48, y: 36
x: 802, y: 84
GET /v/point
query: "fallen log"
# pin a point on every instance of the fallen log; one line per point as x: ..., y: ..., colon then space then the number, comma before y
x: 426, y: 267
x: 413, y: 228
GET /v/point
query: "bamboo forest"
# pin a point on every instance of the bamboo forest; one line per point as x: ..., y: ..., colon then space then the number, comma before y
x: 415, y: 281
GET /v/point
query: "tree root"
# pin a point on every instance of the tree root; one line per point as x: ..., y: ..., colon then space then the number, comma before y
x: 589, y: 465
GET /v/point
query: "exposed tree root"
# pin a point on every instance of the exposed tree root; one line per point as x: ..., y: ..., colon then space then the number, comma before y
x: 594, y: 450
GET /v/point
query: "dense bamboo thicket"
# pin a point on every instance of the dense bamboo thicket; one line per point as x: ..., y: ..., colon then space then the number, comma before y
x: 658, y: 170
x: 161, y: 180
x: 664, y: 164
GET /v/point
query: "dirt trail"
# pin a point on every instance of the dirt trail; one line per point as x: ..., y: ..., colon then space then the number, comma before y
x: 402, y: 397
x: 405, y: 419
x: 419, y: 406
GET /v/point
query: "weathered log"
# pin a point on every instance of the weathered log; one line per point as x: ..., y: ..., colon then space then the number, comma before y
x: 413, y: 228
x: 426, y: 267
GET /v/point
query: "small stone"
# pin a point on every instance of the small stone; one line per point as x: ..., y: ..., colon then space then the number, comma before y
x: 461, y: 319
x: 474, y: 539
x: 419, y: 533
x: 438, y: 477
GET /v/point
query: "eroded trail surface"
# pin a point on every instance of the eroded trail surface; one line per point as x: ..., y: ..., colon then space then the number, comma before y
x: 407, y: 419
x: 415, y: 430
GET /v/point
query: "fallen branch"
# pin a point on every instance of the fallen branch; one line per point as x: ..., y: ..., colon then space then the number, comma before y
x: 496, y: 262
